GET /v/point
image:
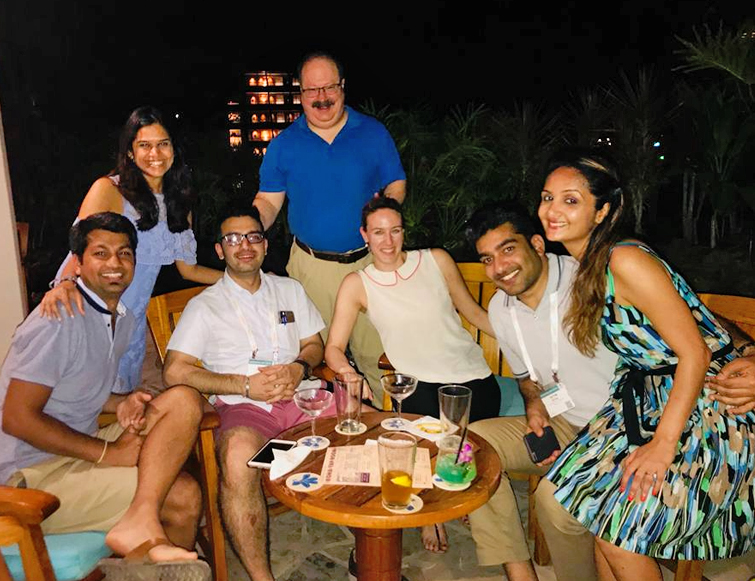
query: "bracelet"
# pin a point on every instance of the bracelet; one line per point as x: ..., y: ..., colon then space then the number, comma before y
x: 744, y: 346
x: 306, y: 366
x: 56, y: 281
x: 103, y: 454
x: 246, y: 387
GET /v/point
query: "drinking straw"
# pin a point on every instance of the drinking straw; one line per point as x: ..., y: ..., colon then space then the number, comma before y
x: 461, y: 444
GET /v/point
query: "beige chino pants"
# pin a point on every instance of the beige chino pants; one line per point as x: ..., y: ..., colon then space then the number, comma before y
x: 496, y: 527
x: 321, y: 279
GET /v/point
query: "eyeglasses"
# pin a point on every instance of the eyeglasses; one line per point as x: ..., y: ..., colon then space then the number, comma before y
x: 329, y: 90
x: 235, y: 238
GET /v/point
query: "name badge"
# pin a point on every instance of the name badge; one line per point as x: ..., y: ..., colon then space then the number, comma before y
x: 285, y: 317
x: 253, y: 366
x: 556, y: 399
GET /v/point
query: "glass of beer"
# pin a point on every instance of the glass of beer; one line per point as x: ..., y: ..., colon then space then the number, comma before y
x: 397, y: 451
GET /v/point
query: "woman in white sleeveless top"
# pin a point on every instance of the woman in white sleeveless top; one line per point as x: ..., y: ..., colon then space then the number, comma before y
x: 411, y: 297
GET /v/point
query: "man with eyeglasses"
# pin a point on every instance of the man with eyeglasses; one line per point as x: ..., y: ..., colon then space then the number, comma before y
x: 257, y: 337
x: 329, y: 163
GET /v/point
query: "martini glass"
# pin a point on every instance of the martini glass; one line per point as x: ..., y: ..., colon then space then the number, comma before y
x: 313, y: 402
x: 399, y: 386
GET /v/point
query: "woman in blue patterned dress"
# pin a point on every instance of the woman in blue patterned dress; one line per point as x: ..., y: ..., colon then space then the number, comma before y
x: 662, y: 471
x: 151, y: 187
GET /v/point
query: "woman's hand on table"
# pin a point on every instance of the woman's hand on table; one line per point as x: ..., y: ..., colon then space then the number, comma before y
x: 648, y: 464
x: 67, y: 294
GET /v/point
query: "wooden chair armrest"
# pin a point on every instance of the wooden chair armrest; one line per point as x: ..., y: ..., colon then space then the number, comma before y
x: 322, y: 371
x: 28, y: 505
x: 210, y: 418
x: 385, y: 364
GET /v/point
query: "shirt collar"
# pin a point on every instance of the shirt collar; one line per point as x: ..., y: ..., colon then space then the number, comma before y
x: 352, y: 120
x: 403, y: 272
x: 236, y: 288
x: 96, y: 302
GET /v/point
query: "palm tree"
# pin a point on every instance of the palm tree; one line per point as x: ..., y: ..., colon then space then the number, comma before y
x: 639, y: 115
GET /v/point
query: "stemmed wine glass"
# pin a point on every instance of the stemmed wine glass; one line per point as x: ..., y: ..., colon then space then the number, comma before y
x: 313, y: 402
x: 399, y: 386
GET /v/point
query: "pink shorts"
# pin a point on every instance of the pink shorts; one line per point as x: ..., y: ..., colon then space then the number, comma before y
x: 283, y: 416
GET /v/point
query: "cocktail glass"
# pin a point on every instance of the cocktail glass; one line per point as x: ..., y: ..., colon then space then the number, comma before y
x: 455, y: 463
x: 313, y: 402
x: 399, y: 386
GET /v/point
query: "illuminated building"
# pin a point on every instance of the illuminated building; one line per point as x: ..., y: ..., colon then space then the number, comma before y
x: 269, y: 103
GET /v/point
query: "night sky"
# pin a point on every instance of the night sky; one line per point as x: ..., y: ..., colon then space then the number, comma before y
x: 97, y: 61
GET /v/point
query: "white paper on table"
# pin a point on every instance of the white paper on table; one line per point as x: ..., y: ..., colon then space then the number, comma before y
x: 360, y: 466
x: 286, y: 460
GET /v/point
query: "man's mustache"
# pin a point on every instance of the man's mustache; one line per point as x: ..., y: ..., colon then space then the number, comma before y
x: 323, y: 103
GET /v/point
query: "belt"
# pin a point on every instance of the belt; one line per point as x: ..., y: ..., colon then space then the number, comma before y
x: 342, y: 257
x: 634, y: 385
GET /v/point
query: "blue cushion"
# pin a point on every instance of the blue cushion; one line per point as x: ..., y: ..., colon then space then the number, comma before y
x: 73, y: 555
x: 512, y: 403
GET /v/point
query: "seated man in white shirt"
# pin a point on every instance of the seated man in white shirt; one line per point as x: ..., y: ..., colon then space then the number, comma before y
x: 257, y: 337
x: 534, y: 295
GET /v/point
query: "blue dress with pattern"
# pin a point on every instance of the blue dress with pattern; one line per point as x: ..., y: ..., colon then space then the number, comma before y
x: 705, y: 507
x: 156, y: 247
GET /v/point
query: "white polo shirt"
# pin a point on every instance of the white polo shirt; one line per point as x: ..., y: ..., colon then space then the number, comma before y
x: 225, y: 326
x: 587, y: 379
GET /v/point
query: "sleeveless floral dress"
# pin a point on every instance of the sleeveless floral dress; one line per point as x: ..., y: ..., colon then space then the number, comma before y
x: 705, y: 507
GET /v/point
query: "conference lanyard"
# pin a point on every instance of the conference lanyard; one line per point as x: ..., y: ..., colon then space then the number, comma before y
x: 253, y: 347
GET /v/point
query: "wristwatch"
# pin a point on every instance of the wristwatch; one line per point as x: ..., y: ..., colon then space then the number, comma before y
x: 306, y: 366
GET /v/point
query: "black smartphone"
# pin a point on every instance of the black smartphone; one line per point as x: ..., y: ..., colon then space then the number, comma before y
x: 541, y: 448
x: 264, y: 457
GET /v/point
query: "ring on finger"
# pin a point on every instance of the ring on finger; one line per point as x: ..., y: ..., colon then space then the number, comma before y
x: 655, y: 477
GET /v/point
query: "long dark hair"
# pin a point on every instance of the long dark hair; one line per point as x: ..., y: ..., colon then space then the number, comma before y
x: 176, y: 182
x: 588, y: 294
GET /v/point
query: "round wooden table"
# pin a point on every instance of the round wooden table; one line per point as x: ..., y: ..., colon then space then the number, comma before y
x: 378, y: 531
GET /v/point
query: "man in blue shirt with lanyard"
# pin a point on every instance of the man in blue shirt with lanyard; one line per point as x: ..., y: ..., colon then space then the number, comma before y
x: 561, y: 388
x: 329, y: 163
x: 257, y: 337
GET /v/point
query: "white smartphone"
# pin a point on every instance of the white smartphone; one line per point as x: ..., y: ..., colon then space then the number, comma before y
x: 264, y: 456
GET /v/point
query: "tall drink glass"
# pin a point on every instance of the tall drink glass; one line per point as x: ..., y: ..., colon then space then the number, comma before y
x: 348, y: 393
x: 455, y: 402
x: 397, y: 451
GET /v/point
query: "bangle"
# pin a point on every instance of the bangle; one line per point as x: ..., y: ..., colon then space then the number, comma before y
x: 744, y: 346
x: 246, y: 387
x: 56, y: 281
x: 102, y: 455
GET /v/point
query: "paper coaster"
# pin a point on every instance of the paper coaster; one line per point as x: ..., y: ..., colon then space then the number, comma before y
x: 304, y: 482
x: 415, y: 505
x: 442, y: 484
x: 313, y: 442
x: 362, y: 430
x: 395, y: 424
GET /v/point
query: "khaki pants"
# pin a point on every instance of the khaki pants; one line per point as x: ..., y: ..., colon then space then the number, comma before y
x: 496, y: 527
x: 92, y: 498
x: 321, y: 279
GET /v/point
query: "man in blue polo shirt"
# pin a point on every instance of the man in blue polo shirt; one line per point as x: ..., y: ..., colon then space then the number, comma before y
x: 329, y: 163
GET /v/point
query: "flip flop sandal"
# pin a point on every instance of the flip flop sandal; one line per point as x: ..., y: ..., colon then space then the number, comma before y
x: 137, y: 566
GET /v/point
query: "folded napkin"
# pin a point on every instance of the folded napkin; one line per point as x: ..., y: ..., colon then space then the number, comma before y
x: 286, y: 460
